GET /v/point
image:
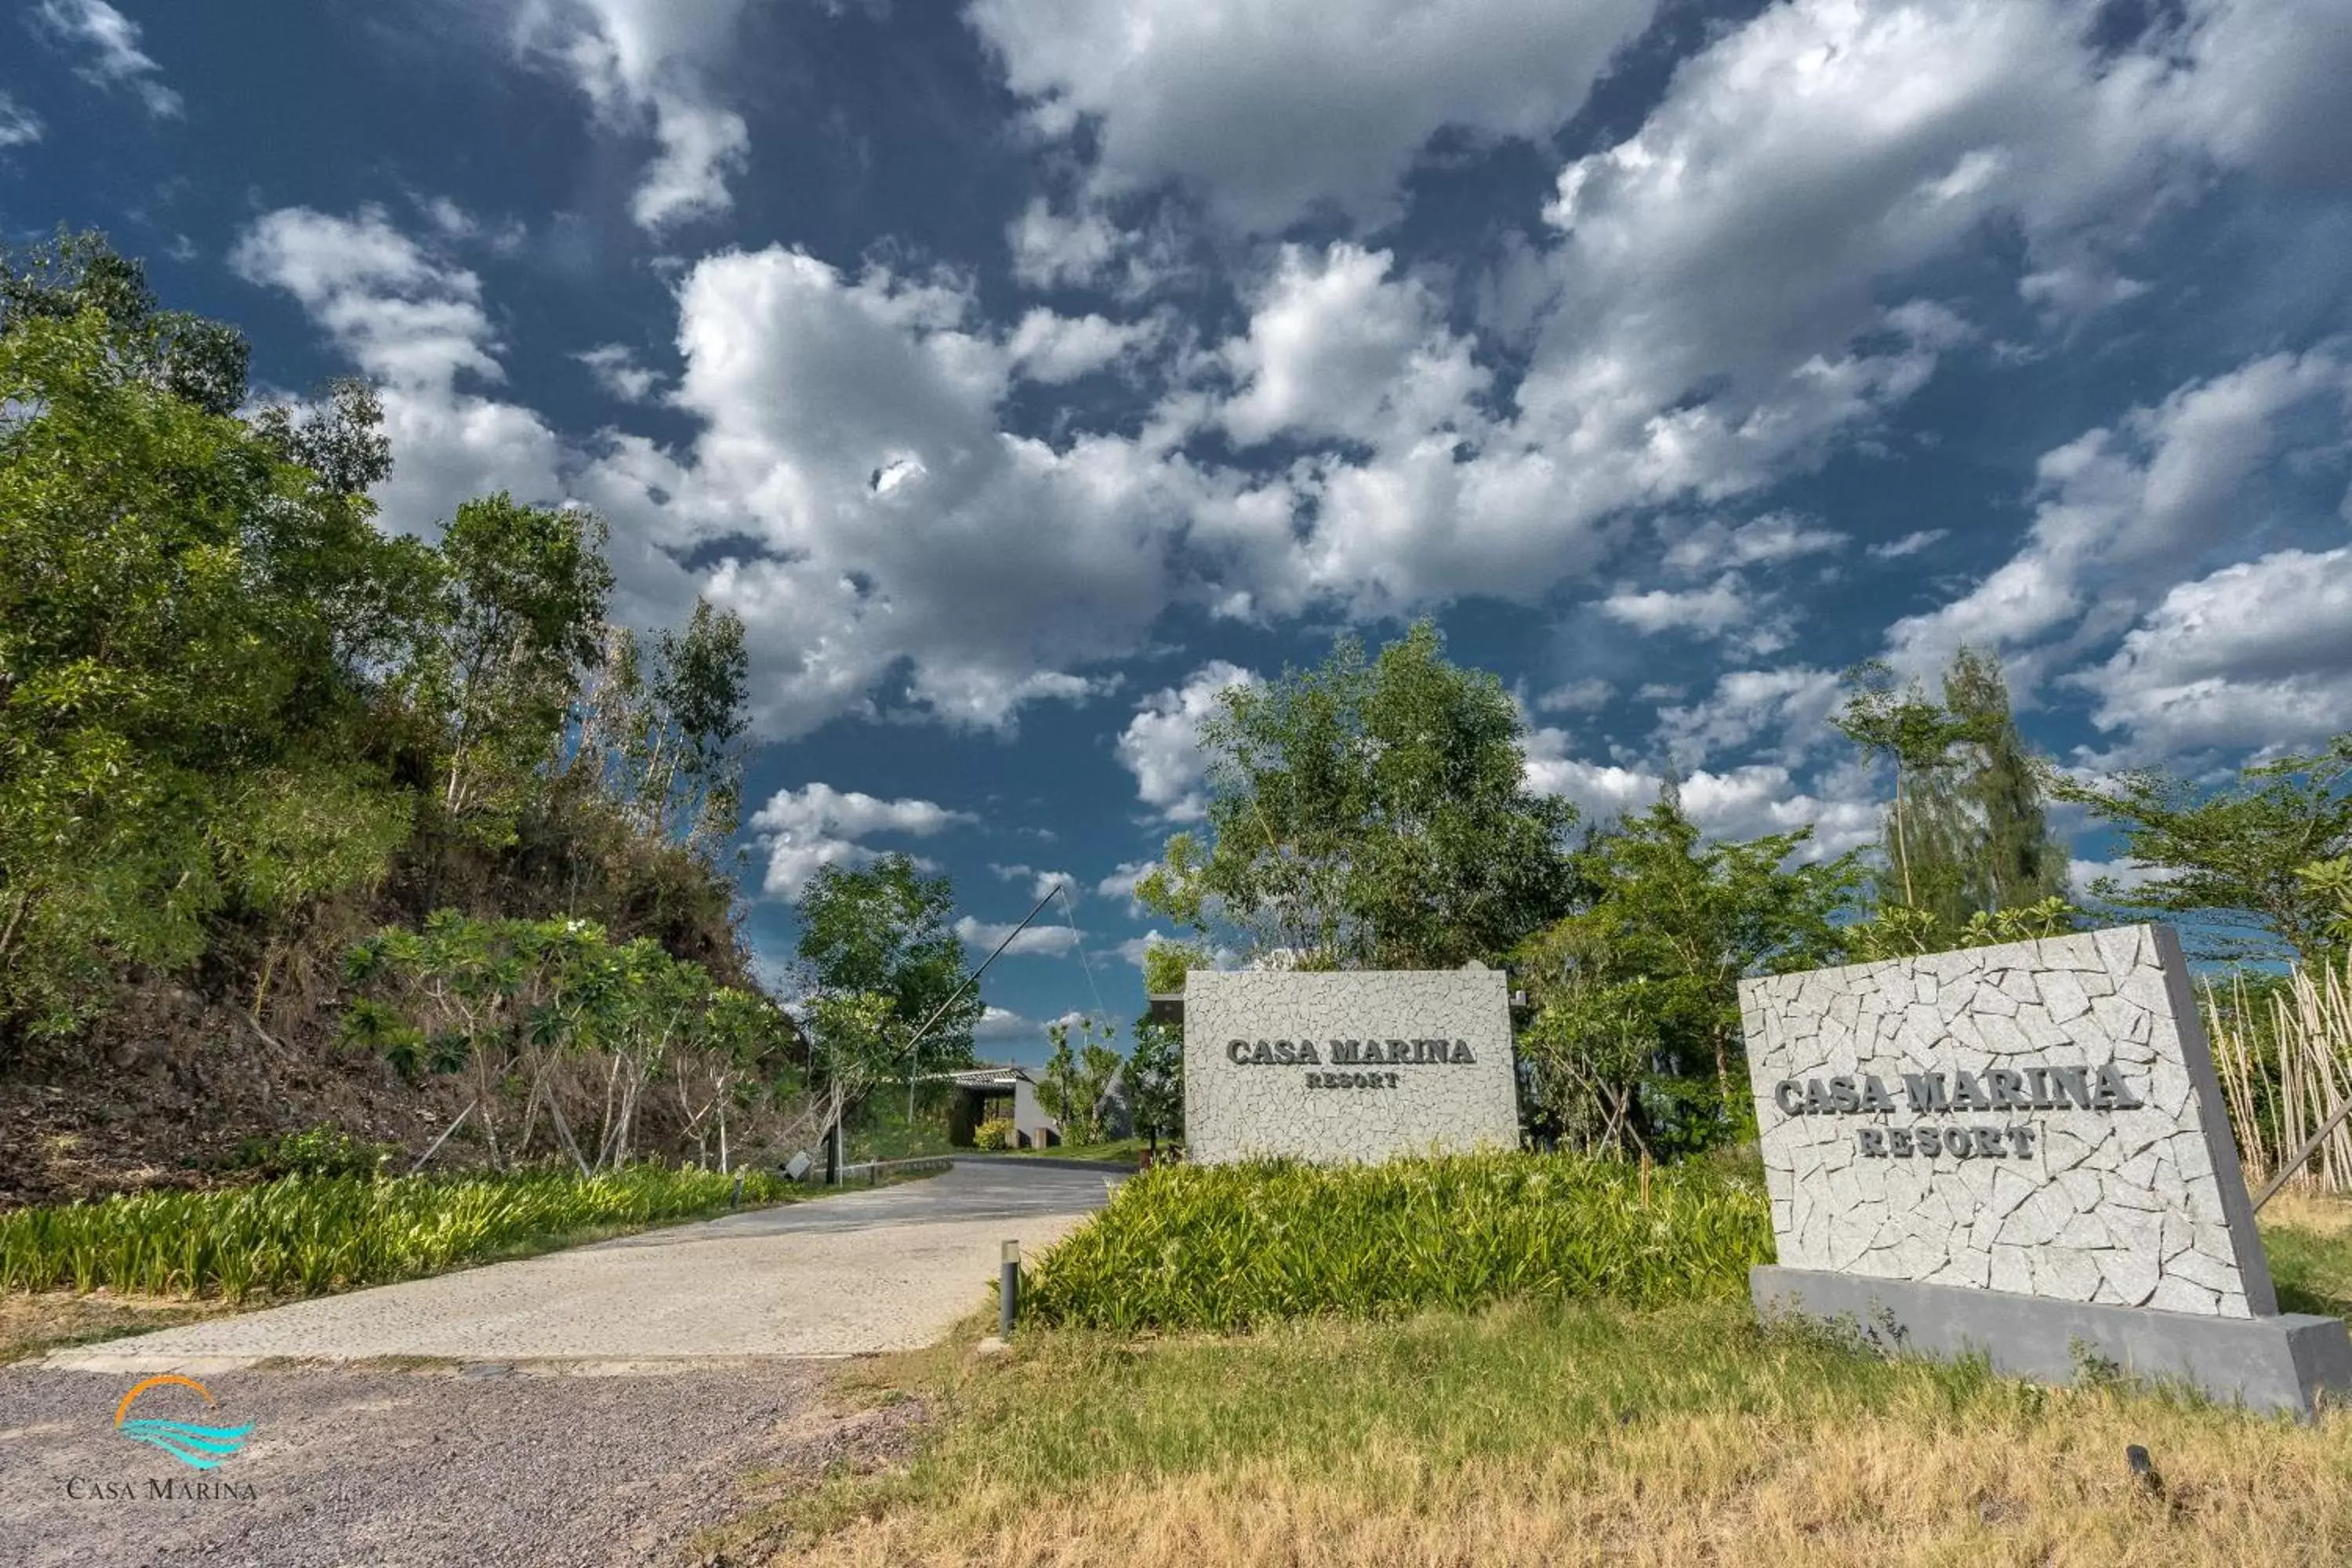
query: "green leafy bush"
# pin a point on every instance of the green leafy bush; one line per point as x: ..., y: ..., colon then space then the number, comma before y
x: 320, y: 1152
x: 309, y: 1234
x: 1222, y: 1248
x: 996, y: 1133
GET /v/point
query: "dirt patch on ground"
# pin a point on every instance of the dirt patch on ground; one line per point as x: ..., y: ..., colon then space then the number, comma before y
x: 32, y: 1322
x: 172, y: 1083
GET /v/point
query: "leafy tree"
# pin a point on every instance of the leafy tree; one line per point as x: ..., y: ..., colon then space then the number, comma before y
x: 858, y: 1039
x: 2236, y: 861
x: 1369, y: 813
x: 1968, y: 833
x: 525, y: 592
x: 1155, y: 1080
x: 233, y: 714
x: 1165, y: 964
x: 196, y: 361
x: 529, y: 1009
x: 1894, y: 931
x: 2019, y: 863
x: 1076, y: 1079
x: 662, y: 723
x: 886, y: 931
x: 1099, y: 1065
x: 1637, y: 994
x: 178, y: 608
x: 1924, y: 849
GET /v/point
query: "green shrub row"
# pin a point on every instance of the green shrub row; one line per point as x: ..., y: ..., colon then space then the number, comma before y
x: 1225, y: 1246
x: 309, y: 1234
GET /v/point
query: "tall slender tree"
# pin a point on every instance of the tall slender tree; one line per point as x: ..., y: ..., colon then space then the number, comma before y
x: 2019, y: 860
x: 1967, y: 832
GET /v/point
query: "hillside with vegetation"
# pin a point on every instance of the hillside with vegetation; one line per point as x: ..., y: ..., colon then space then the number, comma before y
x: 303, y: 824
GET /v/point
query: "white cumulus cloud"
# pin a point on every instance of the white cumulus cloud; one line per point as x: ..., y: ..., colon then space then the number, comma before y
x: 817, y: 825
x: 1161, y: 744
x: 108, y: 43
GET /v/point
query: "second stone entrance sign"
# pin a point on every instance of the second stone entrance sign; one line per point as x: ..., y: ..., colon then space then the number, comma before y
x: 1347, y: 1065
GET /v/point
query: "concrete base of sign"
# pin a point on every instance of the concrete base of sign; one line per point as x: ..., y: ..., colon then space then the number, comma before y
x: 2271, y: 1363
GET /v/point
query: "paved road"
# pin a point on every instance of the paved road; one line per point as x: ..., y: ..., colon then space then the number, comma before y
x: 889, y: 1268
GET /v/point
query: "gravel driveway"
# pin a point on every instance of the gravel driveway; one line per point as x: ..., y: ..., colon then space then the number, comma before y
x: 391, y: 1469
x: 510, y: 1449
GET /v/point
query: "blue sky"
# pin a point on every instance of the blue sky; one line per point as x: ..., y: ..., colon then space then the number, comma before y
x: 1024, y: 371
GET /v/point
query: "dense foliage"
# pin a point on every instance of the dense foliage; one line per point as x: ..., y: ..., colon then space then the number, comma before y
x: 238, y: 722
x: 528, y: 1009
x: 2258, y: 867
x: 1221, y: 1248
x: 1079, y: 1075
x: 1369, y: 813
x: 305, y: 1235
x: 1153, y: 1080
x: 1968, y: 833
x: 884, y: 973
x: 1635, y: 1036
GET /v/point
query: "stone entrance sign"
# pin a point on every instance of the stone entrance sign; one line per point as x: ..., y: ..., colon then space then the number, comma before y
x: 1353, y: 1065
x: 2020, y: 1151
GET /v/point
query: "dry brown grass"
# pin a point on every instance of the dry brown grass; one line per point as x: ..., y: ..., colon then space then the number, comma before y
x: 1701, y: 1489
x: 1573, y: 1435
x: 35, y: 1321
x: 2315, y: 1214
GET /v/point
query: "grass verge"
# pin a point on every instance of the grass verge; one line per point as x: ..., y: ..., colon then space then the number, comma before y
x: 2308, y: 1240
x: 309, y: 1236
x: 36, y: 1323
x: 1555, y: 1433
x: 1562, y: 1432
x: 1118, y: 1151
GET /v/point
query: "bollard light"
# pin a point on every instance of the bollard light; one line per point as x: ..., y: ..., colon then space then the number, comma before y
x: 1008, y: 1289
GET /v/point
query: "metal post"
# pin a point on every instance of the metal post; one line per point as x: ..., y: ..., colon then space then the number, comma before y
x: 2303, y: 1157
x: 1008, y: 1289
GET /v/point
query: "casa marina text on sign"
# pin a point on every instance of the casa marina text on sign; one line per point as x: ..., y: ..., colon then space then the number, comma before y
x: 1349, y: 1053
x: 2071, y: 1088
x: 1999, y: 1089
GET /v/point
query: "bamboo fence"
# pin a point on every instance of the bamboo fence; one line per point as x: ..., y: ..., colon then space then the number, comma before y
x: 2286, y: 1068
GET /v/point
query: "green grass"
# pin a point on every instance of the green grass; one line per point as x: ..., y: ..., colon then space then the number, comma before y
x: 1232, y: 1247
x: 1118, y: 1151
x: 311, y: 1234
x: 2309, y: 1243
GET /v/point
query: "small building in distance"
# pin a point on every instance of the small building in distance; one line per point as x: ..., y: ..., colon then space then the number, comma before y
x: 1008, y: 1092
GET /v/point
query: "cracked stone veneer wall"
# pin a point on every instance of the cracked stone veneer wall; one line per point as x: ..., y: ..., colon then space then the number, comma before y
x: 1234, y: 1111
x: 2139, y: 1208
